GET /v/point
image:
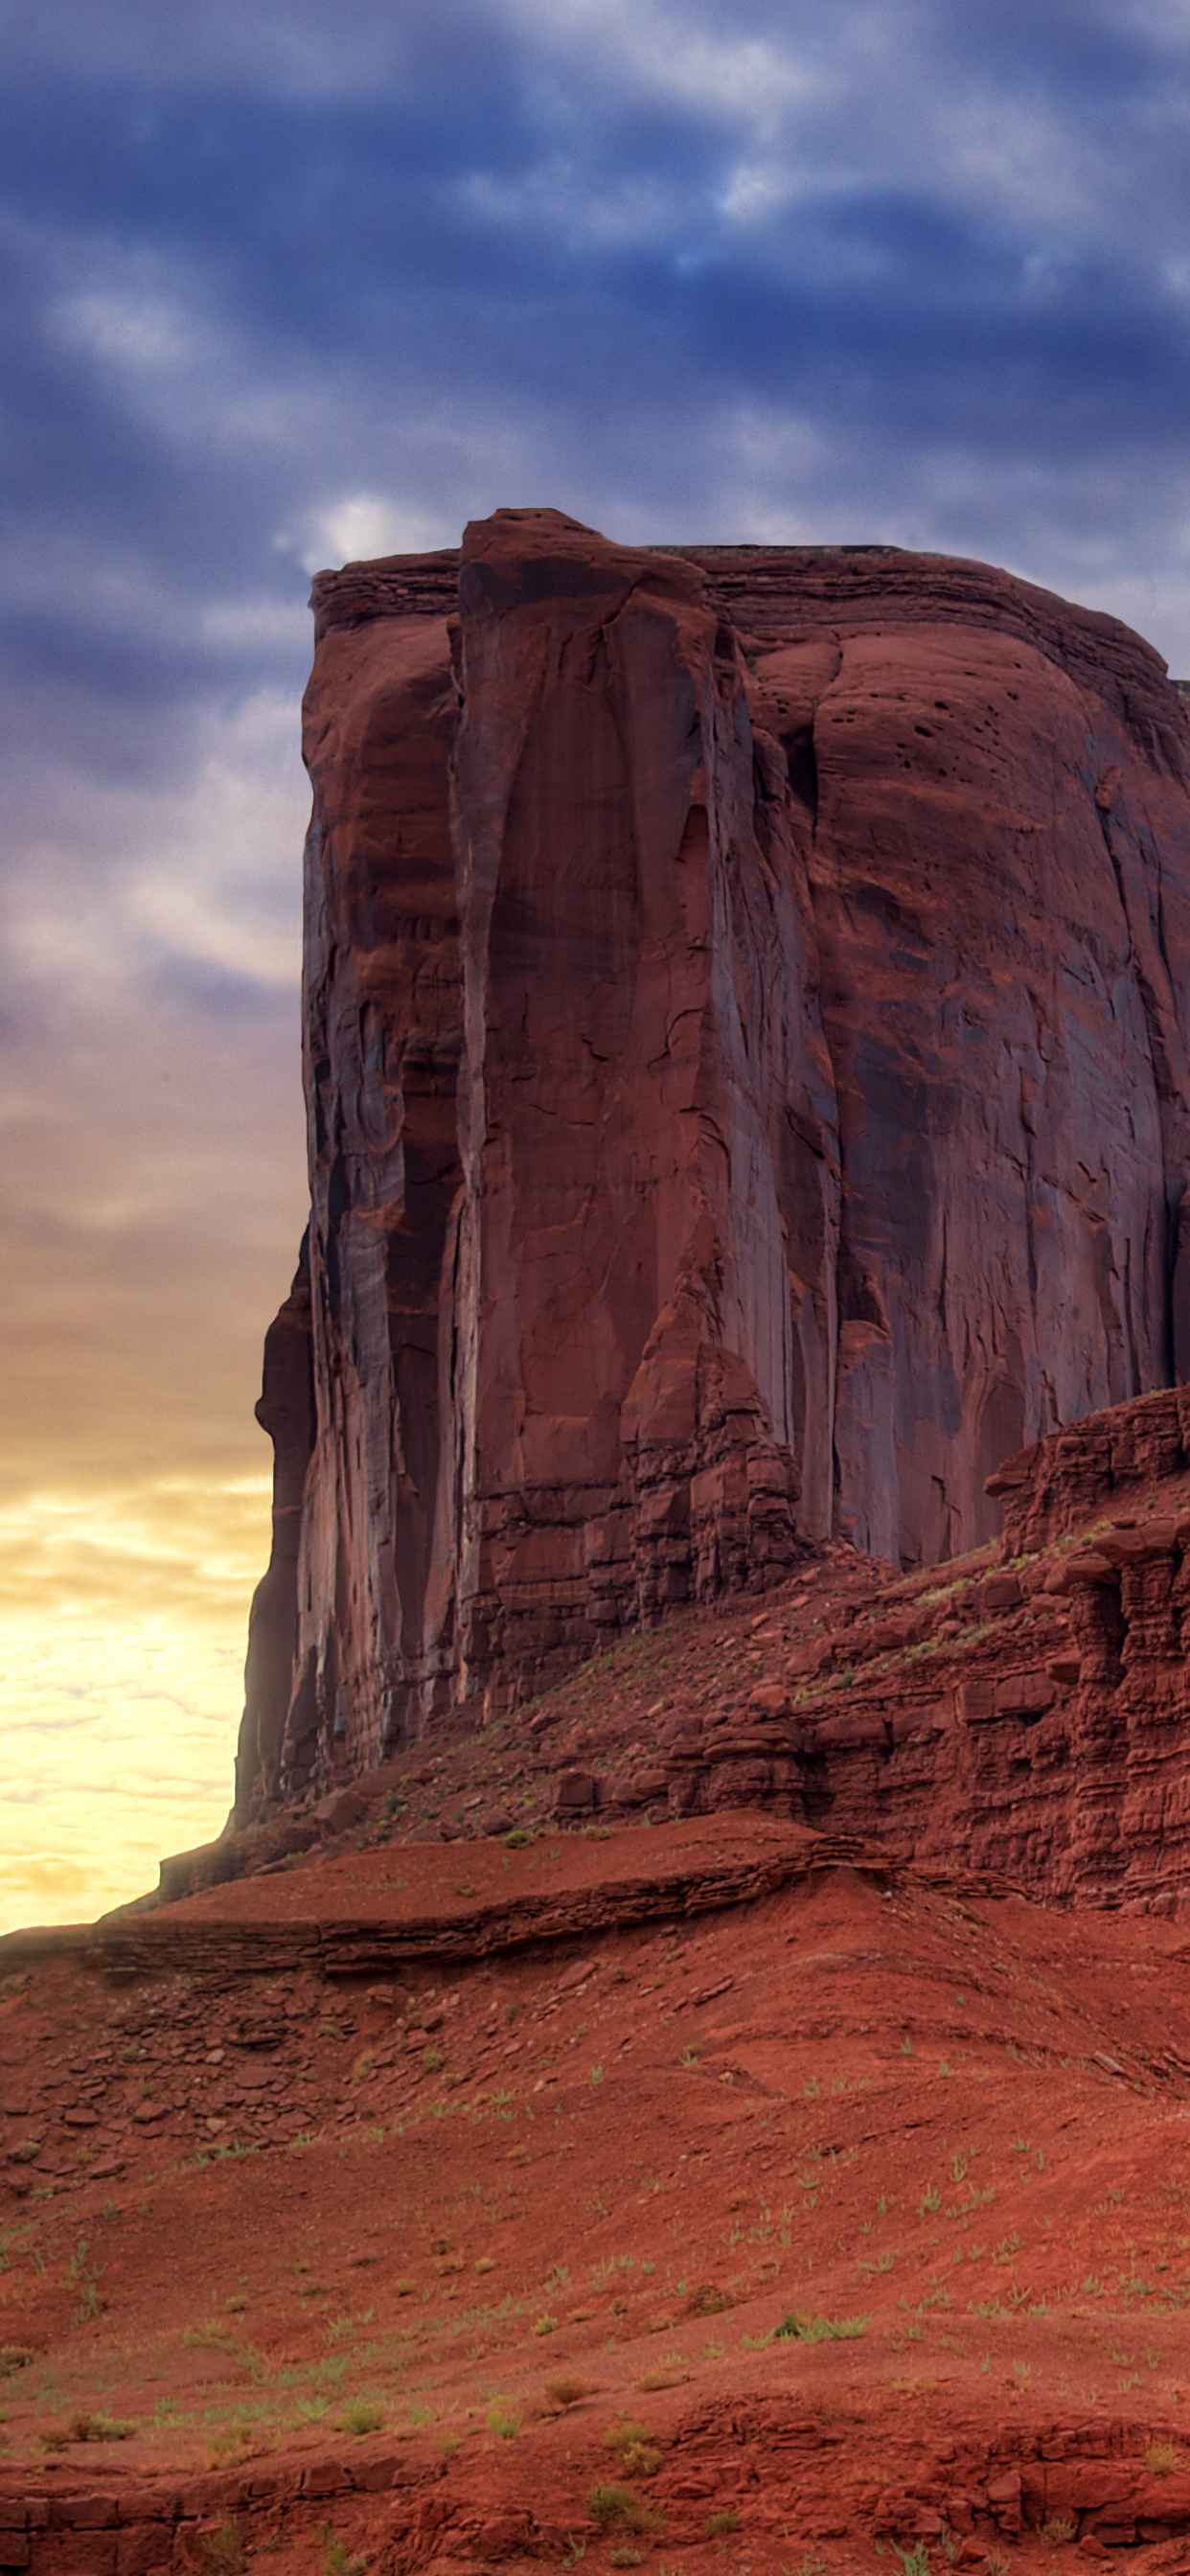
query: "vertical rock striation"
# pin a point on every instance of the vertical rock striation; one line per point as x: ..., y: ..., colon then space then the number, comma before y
x: 746, y: 1068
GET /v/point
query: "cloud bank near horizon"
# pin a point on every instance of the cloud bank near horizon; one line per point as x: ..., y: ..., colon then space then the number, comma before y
x: 287, y: 286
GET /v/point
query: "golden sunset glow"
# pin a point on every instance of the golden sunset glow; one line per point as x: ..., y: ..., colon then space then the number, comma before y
x: 124, y: 1615
x: 153, y: 1148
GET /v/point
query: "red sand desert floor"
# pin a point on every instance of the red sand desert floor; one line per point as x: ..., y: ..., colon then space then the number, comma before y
x: 863, y: 2204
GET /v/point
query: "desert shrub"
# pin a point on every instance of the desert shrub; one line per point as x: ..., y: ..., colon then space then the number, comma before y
x: 567, y: 2389
x: 615, y: 2505
x: 86, y: 2428
x: 546, y: 2326
x: 13, y: 2357
x: 361, y: 2416
x: 503, y: 2419
x: 1057, y: 2529
x: 1161, y: 2458
x: 624, y: 2432
x: 708, y: 2300
x: 719, y: 2524
x: 635, y: 2446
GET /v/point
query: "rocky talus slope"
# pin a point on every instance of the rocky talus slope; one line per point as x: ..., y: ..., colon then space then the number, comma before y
x: 745, y: 1055
x: 1024, y: 1709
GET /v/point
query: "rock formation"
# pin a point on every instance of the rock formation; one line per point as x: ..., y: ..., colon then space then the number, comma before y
x: 746, y: 1069
x: 1029, y: 1716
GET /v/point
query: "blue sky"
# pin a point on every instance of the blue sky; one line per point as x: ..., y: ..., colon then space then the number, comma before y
x: 280, y: 279
x: 286, y: 285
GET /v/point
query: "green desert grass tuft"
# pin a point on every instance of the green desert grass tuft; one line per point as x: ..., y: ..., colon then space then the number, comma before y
x: 86, y: 2428
x: 799, y: 2328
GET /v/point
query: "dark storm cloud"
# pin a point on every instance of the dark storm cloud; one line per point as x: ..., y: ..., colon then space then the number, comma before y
x: 914, y: 230
x: 284, y: 285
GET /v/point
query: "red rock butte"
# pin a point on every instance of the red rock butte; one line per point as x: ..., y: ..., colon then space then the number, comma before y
x: 746, y: 1066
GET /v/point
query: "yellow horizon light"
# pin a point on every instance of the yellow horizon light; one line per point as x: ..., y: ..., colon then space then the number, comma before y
x: 125, y: 1617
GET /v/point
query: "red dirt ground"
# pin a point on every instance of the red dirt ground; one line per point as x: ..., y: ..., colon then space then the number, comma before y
x: 953, y: 2124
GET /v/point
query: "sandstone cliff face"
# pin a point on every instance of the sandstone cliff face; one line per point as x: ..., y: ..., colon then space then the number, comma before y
x: 997, y: 850
x: 746, y: 1068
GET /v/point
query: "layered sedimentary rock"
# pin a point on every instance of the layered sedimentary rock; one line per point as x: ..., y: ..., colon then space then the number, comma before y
x: 1030, y: 1715
x: 746, y: 1067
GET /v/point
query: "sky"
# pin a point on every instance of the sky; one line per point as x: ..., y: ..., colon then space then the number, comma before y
x: 289, y: 284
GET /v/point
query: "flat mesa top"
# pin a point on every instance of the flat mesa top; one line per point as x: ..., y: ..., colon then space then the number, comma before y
x: 775, y: 594
x: 392, y: 582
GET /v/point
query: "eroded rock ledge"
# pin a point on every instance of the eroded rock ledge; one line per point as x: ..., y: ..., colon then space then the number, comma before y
x: 1022, y: 1711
